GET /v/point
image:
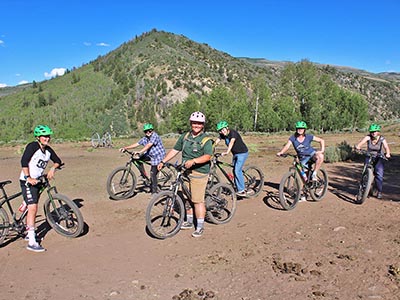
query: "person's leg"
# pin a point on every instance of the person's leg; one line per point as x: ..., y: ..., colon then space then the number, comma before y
x: 198, y: 183
x: 379, y: 170
x: 153, y: 179
x: 239, y: 160
x: 31, y: 197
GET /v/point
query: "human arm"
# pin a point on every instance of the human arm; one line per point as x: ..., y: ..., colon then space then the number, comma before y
x: 387, y: 149
x: 230, y: 145
x: 362, y: 142
x: 197, y: 161
x: 134, y: 145
x: 171, y: 154
x: 321, y: 142
x: 285, y: 148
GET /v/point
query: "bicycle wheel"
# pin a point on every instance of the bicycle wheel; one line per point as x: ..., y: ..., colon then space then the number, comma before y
x: 289, y: 190
x: 220, y: 203
x: 364, y: 186
x: 107, y: 140
x: 253, y: 180
x: 319, y: 187
x: 95, y: 140
x: 4, y: 225
x: 165, y: 177
x: 64, y: 216
x: 164, y: 215
x: 121, y: 183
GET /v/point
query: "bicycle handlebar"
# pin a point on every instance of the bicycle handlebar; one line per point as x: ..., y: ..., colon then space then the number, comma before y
x: 288, y: 154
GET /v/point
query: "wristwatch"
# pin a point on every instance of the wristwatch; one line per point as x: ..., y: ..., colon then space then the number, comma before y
x: 26, y: 176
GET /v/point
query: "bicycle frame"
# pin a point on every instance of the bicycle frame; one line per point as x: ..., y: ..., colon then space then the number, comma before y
x: 216, y: 163
x: 17, y: 223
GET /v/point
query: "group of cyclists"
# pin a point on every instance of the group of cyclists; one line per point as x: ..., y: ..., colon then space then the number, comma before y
x: 196, y: 149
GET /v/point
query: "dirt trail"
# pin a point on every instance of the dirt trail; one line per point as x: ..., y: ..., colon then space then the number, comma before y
x: 333, y: 249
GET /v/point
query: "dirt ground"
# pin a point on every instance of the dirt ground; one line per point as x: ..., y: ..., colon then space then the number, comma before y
x: 333, y: 249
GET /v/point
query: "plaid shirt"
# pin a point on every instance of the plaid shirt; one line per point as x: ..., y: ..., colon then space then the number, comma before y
x: 157, y: 151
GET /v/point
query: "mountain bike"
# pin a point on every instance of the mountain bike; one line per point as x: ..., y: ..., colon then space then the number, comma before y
x: 62, y: 214
x: 166, y: 210
x: 104, y: 141
x: 122, y: 181
x: 253, y: 176
x: 290, y: 189
x: 365, y: 186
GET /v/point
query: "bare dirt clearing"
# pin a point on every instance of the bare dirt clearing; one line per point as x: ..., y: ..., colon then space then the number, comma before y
x: 333, y: 249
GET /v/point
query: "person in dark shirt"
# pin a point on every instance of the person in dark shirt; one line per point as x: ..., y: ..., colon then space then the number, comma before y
x: 34, y: 161
x: 239, y: 150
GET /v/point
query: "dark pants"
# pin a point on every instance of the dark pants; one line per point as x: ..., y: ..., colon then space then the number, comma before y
x: 378, y: 172
x: 153, y: 177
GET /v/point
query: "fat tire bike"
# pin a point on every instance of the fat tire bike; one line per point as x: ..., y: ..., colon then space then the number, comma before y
x: 253, y: 176
x: 293, y: 185
x: 366, y: 183
x: 122, y: 181
x: 62, y: 214
x: 166, y: 211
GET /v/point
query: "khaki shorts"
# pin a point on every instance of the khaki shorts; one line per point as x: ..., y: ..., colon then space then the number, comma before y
x: 197, y: 186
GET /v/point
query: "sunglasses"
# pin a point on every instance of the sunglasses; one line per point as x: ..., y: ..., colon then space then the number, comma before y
x: 46, y: 136
x: 147, y: 131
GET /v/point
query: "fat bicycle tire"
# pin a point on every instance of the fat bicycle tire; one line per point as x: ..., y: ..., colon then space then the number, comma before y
x: 121, y: 183
x: 64, y: 216
x: 253, y: 180
x: 164, y: 220
x: 220, y: 203
x: 320, y: 186
x: 95, y: 140
x: 364, y: 186
x: 289, y: 190
x: 4, y: 225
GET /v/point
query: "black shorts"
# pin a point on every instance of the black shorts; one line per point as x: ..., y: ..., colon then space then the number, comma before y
x: 30, y: 193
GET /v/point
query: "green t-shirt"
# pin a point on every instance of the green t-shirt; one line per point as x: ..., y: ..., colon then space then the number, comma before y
x: 192, y: 147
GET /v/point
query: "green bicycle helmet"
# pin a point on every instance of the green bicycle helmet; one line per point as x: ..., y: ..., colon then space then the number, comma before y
x: 301, y: 124
x: 222, y: 125
x: 42, y: 130
x: 374, y: 127
x: 148, y: 126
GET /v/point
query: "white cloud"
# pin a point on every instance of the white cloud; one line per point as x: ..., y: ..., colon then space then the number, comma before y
x: 23, y: 82
x: 2, y: 85
x: 87, y: 43
x: 1, y: 43
x: 103, y: 44
x: 55, y: 72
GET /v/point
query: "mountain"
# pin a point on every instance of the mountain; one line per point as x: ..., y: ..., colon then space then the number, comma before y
x: 142, y: 79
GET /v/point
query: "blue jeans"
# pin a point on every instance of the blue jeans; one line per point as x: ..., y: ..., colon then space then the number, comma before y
x: 378, y: 172
x: 238, y: 162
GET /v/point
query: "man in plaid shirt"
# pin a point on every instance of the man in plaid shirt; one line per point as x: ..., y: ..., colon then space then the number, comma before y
x: 153, y: 150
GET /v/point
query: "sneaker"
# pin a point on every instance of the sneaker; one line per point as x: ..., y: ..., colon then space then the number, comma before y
x: 303, y: 198
x: 198, y: 233
x: 187, y: 225
x: 26, y: 238
x: 35, y: 248
x: 314, y: 177
x: 241, y: 194
x: 379, y: 196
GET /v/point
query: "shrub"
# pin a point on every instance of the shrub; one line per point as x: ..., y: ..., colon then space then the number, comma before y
x: 341, y: 152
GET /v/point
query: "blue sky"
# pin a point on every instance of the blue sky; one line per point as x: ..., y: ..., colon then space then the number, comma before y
x: 39, y: 39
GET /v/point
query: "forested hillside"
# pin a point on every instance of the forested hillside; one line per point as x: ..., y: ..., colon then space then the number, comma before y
x: 161, y: 77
